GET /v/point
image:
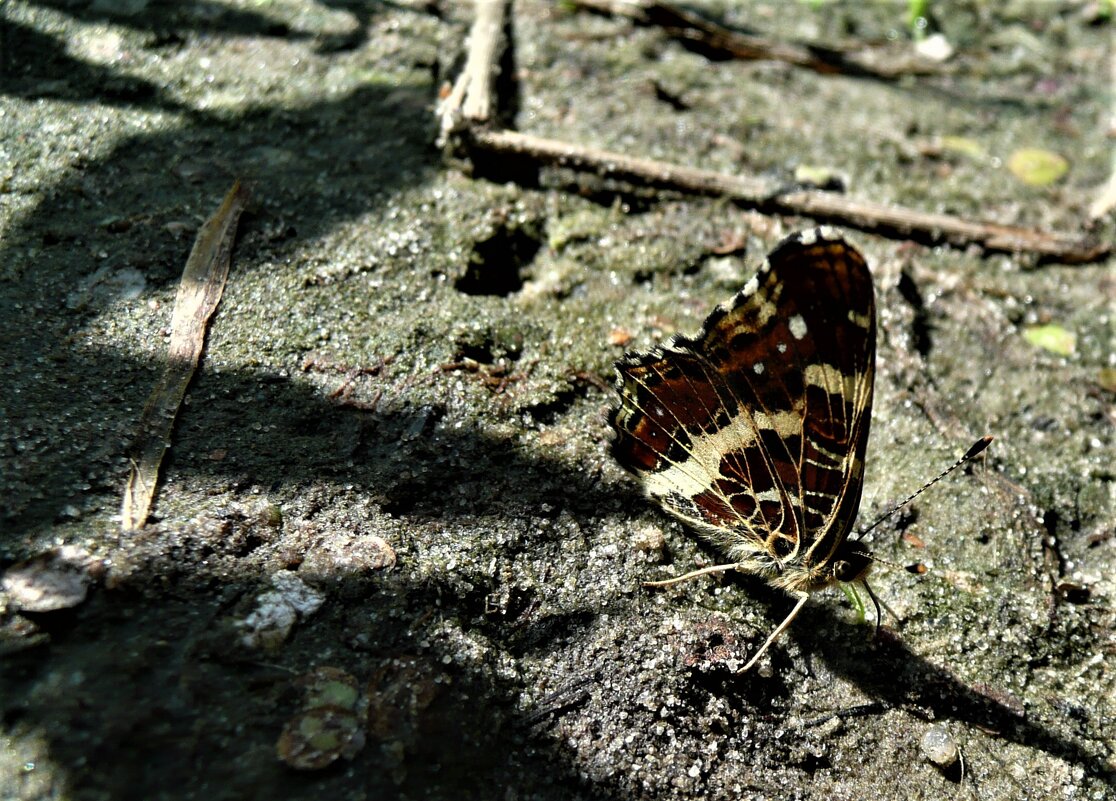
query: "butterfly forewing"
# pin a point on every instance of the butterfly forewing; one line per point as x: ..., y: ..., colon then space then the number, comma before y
x: 754, y: 431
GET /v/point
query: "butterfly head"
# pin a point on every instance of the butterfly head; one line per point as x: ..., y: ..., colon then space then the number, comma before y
x: 850, y: 563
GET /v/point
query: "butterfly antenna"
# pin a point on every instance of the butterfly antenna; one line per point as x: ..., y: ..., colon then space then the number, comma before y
x: 972, y: 453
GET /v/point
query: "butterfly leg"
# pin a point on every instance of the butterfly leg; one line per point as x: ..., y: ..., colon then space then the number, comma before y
x: 802, y: 598
x: 692, y: 575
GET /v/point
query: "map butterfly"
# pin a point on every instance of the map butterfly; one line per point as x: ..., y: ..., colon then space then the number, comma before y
x: 753, y: 432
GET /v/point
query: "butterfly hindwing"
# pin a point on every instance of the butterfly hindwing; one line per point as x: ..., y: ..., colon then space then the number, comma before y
x: 754, y: 431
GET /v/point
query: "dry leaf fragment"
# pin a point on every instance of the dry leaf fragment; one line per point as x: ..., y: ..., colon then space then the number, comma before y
x: 199, y: 292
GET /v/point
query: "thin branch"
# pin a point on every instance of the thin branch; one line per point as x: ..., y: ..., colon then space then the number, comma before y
x: 926, y: 227
x: 472, y: 96
x: 469, y: 105
x: 717, y: 39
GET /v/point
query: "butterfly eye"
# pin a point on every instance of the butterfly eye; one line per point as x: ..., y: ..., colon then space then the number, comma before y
x: 852, y: 567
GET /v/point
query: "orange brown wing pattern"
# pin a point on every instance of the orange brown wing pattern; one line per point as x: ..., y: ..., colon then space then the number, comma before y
x: 754, y: 431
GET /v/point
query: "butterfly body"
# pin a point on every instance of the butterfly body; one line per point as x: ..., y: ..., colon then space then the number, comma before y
x: 753, y: 433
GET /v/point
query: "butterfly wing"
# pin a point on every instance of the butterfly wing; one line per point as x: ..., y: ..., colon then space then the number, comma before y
x: 754, y: 431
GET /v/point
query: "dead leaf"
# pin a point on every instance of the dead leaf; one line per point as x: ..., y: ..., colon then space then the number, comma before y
x: 199, y: 292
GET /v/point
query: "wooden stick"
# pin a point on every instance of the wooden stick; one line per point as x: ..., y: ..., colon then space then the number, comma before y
x: 472, y: 96
x: 714, y: 38
x: 469, y: 105
x: 926, y: 227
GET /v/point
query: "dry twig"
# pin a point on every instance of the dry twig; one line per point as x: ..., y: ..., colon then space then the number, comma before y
x: 472, y: 94
x: 714, y: 38
x: 466, y: 110
x: 927, y: 227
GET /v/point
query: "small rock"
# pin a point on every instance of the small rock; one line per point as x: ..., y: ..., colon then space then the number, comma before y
x: 271, y: 515
x: 277, y: 611
x: 106, y: 285
x: 399, y: 697
x: 330, y: 686
x: 58, y: 579
x: 318, y: 737
x: 620, y: 337
x: 649, y: 539
x: 939, y: 747
x: 935, y: 47
x: 17, y: 633
x: 1051, y: 337
x: 820, y: 177
x: 339, y: 557
x: 330, y: 725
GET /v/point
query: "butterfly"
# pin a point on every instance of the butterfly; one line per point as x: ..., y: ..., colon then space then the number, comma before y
x: 753, y: 433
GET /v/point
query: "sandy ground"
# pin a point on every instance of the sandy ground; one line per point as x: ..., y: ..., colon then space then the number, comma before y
x: 410, y: 364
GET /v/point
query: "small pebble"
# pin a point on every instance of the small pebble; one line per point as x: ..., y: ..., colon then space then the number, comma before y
x: 317, y: 737
x: 330, y: 725
x: 277, y: 610
x: 345, y: 555
x: 58, y: 579
x: 939, y: 747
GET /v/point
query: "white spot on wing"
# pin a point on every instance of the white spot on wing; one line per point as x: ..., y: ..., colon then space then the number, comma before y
x: 758, y: 367
x: 797, y: 326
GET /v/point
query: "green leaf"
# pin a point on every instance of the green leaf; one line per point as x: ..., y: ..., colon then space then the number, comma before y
x: 1037, y: 167
x: 1053, y: 338
x: 963, y: 146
